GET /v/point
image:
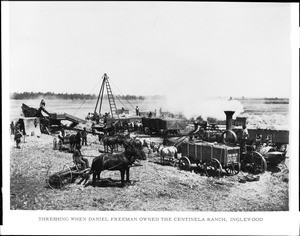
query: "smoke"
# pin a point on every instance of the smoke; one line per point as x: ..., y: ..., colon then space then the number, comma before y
x: 194, y: 105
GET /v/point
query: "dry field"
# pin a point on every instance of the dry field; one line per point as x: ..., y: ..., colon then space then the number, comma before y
x: 153, y: 187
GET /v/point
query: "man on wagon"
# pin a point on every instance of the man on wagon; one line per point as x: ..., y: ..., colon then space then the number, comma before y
x: 78, y: 158
x: 245, y: 136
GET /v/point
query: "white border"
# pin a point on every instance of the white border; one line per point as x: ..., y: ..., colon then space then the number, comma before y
x: 274, y: 223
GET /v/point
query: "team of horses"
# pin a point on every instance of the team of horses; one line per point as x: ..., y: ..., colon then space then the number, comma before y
x: 133, y: 149
x: 115, y: 161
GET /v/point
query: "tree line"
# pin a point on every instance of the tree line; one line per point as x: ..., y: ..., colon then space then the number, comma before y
x: 51, y: 95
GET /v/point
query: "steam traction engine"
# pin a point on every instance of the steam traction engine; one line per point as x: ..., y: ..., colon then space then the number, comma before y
x: 217, y: 150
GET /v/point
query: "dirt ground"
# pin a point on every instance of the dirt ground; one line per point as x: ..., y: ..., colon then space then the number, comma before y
x: 153, y: 187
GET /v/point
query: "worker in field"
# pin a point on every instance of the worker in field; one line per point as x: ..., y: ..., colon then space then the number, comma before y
x: 257, y: 142
x: 105, y: 118
x: 78, y: 140
x: 137, y: 111
x: 245, y: 137
x: 18, y: 136
x: 61, y: 135
x: 12, y: 128
x: 78, y: 158
x: 145, y: 144
x: 84, y: 137
x: 42, y: 108
x: 42, y: 103
x: 89, y: 116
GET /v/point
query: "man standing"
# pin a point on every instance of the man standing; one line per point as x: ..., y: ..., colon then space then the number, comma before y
x: 61, y: 135
x: 18, y: 136
x: 137, y: 111
x: 84, y: 137
x: 42, y: 104
x: 245, y: 136
x: 42, y: 108
x: 12, y: 128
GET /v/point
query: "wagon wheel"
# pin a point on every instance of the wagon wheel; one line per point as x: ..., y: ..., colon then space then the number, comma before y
x: 254, y: 163
x: 60, y: 178
x: 54, y: 144
x: 213, y: 168
x: 229, y: 137
x: 233, y: 169
x: 184, y: 163
x: 53, y: 178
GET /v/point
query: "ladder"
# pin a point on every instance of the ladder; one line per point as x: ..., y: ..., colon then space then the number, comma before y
x: 111, y: 100
x: 110, y: 96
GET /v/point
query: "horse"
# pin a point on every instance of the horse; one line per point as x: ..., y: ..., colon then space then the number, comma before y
x: 114, y: 141
x: 120, y: 161
x: 132, y: 142
x: 74, y: 140
x: 167, y: 151
x: 109, y: 141
x: 119, y: 139
x: 118, y: 126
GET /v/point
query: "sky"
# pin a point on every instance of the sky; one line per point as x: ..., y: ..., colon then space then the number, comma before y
x: 191, y: 49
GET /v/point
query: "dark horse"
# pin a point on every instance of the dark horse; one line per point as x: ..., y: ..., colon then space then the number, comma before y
x: 113, y: 141
x: 109, y: 141
x: 75, y: 140
x: 132, y: 142
x: 121, y: 161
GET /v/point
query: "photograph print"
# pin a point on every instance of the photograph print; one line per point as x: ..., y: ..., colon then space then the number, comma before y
x: 149, y: 107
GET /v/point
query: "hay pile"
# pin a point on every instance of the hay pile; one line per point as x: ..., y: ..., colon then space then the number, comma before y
x: 273, y: 121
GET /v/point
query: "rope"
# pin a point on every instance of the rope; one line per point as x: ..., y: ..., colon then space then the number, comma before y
x: 122, y: 103
x: 122, y: 94
x: 85, y: 99
x: 79, y: 107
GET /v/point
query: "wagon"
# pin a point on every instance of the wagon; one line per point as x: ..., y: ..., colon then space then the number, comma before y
x: 211, y: 157
x: 166, y: 126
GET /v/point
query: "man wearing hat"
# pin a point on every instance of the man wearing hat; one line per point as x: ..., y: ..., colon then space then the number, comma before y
x: 18, y: 136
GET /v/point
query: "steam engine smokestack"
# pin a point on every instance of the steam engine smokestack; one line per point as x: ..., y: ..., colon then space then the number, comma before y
x: 229, y: 119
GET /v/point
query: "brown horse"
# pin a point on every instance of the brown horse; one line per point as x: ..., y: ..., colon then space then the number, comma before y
x: 132, y: 142
x: 109, y: 141
x: 113, y: 141
x: 121, y: 161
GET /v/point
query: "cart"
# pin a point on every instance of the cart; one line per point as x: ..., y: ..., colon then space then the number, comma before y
x: 213, y: 158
